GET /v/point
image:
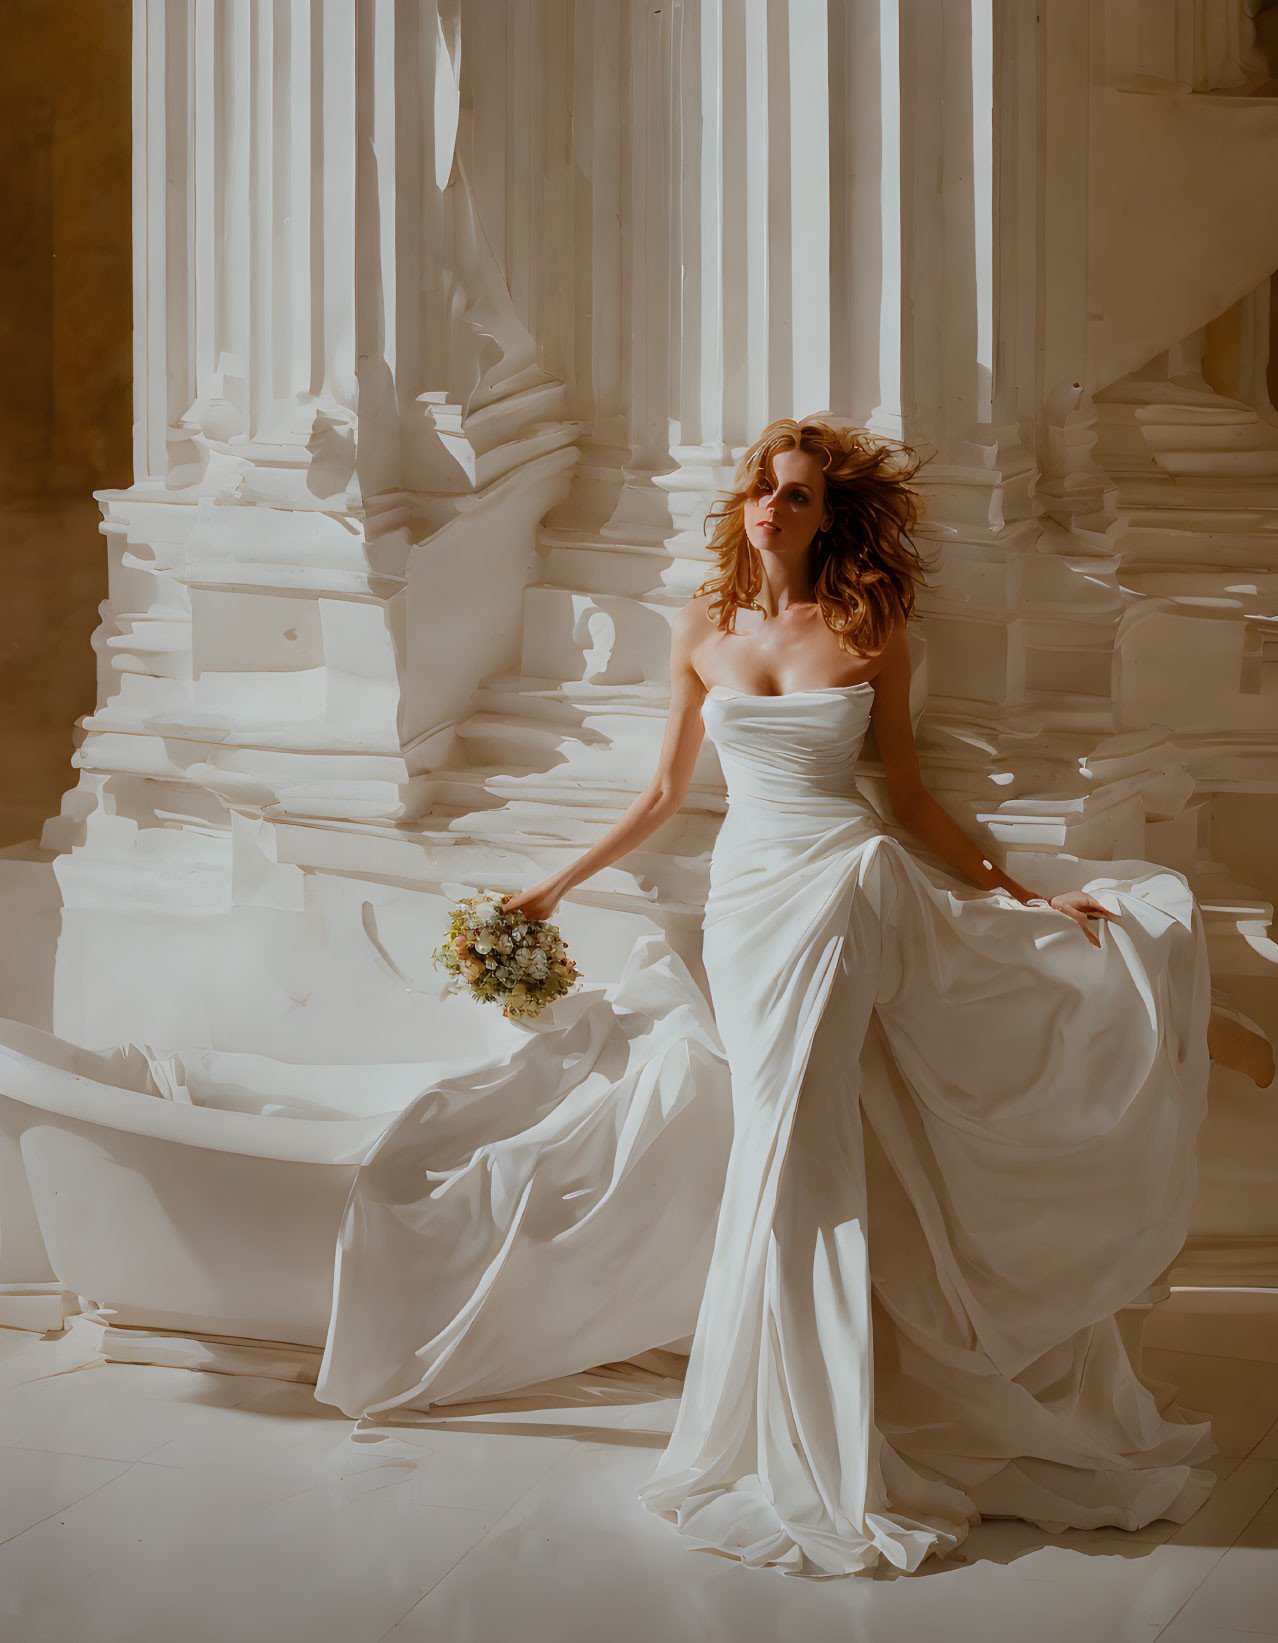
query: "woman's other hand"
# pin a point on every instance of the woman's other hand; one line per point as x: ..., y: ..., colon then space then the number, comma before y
x: 1081, y: 908
x: 535, y: 904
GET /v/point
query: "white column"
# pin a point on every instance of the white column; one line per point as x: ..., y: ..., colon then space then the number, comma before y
x: 763, y: 199
x: 322, y: 552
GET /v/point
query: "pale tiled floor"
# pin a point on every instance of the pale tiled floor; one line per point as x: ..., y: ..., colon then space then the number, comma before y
x: 166, y: 1506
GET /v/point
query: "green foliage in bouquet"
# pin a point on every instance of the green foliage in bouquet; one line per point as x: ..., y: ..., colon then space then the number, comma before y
x: 505, y: 958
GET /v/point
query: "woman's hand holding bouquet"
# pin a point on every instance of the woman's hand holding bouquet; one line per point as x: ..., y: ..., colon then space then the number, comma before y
x: 536, y: 904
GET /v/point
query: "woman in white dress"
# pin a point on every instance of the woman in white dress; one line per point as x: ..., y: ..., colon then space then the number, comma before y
x: 953, y: 1138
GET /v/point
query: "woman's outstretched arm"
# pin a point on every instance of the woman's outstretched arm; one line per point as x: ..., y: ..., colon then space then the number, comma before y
x: 663, y: 795
x: 920, y: 814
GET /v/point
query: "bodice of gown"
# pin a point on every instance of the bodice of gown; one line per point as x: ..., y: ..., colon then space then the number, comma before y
x: 794, y: 753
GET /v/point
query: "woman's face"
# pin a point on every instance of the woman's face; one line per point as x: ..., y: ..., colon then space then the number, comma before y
x: 784, y: 517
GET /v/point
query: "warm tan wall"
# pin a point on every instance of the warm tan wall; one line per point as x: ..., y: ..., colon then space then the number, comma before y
x: 65, y: 371
x: 65, y: 312
x: 64, y: 255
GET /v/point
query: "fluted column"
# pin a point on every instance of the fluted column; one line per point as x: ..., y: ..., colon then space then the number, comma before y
x: 760, y: 206
x: 320, y: 555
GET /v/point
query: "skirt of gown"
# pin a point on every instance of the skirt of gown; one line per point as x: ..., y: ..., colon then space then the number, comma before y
x: 900, y: 1182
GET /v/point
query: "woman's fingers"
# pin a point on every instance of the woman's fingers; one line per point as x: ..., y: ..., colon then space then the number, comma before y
x: 1079, y: 917
x: 1079, y: 905
x: 536, y: 904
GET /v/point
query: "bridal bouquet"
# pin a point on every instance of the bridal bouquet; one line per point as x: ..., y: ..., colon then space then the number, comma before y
x: 505, y: 958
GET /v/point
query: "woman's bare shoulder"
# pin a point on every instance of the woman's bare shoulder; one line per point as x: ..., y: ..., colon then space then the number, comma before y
x: 692, y: 620
x: 898, y: 635
x: 893, y: 654
x: 696, y: 609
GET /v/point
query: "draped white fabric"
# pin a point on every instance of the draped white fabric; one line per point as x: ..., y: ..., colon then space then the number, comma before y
x: 534, y: 1216
x: 960, y: 1139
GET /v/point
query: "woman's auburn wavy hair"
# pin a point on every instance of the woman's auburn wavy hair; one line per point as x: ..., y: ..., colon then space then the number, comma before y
x: 866, y: 568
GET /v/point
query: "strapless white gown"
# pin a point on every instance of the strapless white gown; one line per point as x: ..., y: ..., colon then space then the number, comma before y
x: 926, y: 1147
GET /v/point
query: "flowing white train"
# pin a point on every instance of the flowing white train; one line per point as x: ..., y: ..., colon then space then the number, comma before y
x: 955, y: 1140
